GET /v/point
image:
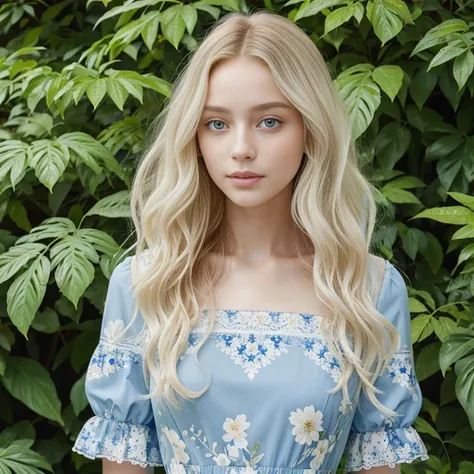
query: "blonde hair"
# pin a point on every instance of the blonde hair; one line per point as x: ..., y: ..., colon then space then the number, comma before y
x: 178, y: 211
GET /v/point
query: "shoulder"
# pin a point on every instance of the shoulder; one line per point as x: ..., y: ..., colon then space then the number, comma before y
x: 393, y: 301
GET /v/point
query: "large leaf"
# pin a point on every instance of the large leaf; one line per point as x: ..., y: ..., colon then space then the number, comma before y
x: 449, y: 215
x: 26, y: 293
x: 115, y: 205
x: 16, y: 257
x: 360, y: 94
x: 72, y: 258
x: 457, y: 345
x: 14, y: 158
x: 91, y: 152
x: 49, y: 158
x: 28, y: 381
x: 52, y: 228
x: 465, y: 385
x: 18, y: 459
x: 78, y: 395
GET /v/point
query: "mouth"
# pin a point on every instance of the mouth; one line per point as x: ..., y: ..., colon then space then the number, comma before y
x: 246, y: 181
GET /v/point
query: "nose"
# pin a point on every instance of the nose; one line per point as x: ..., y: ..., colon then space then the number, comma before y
x: 243, y: 145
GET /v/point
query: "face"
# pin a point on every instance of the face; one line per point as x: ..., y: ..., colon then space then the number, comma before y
x: 249, y: 125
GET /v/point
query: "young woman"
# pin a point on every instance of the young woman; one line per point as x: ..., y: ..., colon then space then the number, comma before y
x: 253, y: 331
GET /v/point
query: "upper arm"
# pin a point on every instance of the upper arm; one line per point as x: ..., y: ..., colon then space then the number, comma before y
x: 123, y: 428
x: 112, y: 467
x: 378, y: 440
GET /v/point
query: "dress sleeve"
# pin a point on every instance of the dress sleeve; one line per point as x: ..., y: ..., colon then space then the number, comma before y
x: 123, y: 427
x: 376, y: 439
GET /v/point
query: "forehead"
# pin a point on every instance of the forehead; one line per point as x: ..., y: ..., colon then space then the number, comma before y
x: 239, y: 83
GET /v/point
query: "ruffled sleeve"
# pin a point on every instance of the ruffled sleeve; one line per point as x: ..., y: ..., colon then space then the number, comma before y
x: 123, y: 428
x: 376, y: 439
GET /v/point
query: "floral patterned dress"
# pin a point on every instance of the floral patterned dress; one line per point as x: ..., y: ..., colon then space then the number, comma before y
x: 267, y: 410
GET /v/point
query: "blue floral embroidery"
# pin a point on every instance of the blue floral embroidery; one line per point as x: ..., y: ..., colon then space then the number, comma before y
x: 108, y: 358
x: 265, y: 335
x: 400, y: 370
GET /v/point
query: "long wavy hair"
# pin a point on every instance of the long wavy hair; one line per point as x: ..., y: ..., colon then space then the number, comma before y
x: 179, y: 213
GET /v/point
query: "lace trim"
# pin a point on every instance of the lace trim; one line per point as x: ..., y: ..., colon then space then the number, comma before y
x: 387, y: 447
x: 104, y: 437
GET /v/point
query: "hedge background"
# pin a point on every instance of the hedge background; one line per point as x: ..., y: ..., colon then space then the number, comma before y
x: 80, y: 83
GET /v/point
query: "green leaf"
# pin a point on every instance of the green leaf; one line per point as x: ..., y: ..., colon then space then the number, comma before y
x: 423, y: 426
x: 427, y: 362
x: 421, y: 328
x: 117, y: 92
x: 400, y: 196
x: 466, y: 232
x: 443, y: 327
x: 150, y: 30
x: 96, y: 91
x: 29, y: 382
x: 437, y: 34
x: 51, y: 228
x: 72, y: 258
x: 386, y: 23
x: 463, y: 439
x: 338, y: 17
x: 448, y: 215
x: 443, y: 146
x: 14, y: 158
x: 91, y: 152
x: 315, y: 7
x: 405, y: 182
x: 101, y: 241
x: 464, y: 199
x: 128, y: 7
x: 463, y: 67
x: 445, y: 54
x: 18, y: 256
x: 115, y: 205
x: 49, y: 159
x: 360, y: 94
x: 190, y: 17
x: 465, y: 385
x: 173, y: 25
x: 458, y: 344
x: 421, y: 86
x: 78, y: 395
x: 26, y: 293
x: 389, y: 78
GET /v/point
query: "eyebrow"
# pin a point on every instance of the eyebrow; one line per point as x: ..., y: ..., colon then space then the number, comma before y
x: 268, y: 105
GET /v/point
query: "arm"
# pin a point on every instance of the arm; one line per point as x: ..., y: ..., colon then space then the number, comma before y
x: 112, y: 467
x: 382, y: 470
x: 377, y: 441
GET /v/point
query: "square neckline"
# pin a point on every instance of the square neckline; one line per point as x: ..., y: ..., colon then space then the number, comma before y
x: 296, y: 313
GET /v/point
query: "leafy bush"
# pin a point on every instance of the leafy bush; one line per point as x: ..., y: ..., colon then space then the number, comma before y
x: 80, y: 83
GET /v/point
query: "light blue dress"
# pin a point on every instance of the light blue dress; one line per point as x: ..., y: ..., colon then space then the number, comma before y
x: 267, y: 410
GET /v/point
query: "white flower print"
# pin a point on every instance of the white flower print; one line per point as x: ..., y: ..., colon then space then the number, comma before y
x: 221, y: 460
x: 177, y: 444
x: 232, y: 451
x: 235, y: 431
x: 114, y: 330
x: 319, y: 453
x: 176, y: 468
x: 308, y: 424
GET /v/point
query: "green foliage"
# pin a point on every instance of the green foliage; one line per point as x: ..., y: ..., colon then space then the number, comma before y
x: 80, y: 83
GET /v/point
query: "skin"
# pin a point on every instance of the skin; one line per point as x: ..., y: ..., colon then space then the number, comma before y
x: 269, y: 142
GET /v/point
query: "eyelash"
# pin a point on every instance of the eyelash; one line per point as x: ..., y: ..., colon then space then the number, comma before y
x: 266, y: 118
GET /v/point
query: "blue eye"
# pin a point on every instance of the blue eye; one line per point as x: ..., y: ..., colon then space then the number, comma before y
x: 271, y: 119
x: 218, y: 121
x: 221, y: 122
